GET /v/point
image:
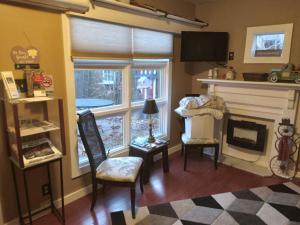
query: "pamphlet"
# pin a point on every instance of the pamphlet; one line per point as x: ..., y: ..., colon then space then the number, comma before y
x: 10, y: 85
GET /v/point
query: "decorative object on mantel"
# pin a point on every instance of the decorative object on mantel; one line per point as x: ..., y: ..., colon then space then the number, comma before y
x: 230, y: 74
x: 285, y: 163
x: 255, y: 76
x: 285, y: 74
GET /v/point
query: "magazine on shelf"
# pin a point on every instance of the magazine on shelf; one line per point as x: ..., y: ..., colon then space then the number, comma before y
x: 38, y: 151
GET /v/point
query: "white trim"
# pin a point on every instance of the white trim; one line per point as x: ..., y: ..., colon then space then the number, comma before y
x: 287, y: 29
x: 254, y: 84
x: 82, y: 191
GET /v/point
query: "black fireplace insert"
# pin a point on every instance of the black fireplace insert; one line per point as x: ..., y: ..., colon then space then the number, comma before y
x: 246, y: 134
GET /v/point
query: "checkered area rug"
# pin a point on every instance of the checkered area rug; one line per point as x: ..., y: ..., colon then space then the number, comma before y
x: 273, y: 205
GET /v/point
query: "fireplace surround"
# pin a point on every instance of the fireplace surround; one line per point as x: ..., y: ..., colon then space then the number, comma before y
x: 259, y: 102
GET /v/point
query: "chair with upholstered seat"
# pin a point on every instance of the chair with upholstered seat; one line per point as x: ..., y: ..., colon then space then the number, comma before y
x: 189, y: 144
x: 120, y: 171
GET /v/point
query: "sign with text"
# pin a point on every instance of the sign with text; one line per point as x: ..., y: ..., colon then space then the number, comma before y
x: 21, y: 55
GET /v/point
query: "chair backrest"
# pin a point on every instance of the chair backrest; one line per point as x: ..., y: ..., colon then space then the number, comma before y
x: 183, y: 118
x: 91, y: 139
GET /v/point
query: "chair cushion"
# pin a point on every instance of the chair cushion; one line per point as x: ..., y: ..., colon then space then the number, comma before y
x: 121, y: 169
x: 195, y: 141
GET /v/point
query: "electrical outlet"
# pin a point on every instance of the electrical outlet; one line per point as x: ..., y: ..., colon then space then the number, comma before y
x: 45, y: 189
x: 231, y: 56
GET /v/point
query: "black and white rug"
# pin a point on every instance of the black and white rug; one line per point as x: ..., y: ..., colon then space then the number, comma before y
x: 273, y: 205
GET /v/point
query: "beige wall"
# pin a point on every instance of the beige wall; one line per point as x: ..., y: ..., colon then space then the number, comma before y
x: 44, y: 30
x: 186, y: 9
x: 234, y: 16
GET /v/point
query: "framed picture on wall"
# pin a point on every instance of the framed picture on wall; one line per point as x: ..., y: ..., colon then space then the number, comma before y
x: 268, y: 44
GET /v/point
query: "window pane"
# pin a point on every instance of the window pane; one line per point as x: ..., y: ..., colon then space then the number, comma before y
x: 268, y: 44
x: 145, y: 83
x: 98, y: 88
x: 111, y: 131
x: 140, y: 124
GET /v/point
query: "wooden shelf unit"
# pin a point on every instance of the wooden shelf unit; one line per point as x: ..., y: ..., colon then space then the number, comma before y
x: 20, y: 133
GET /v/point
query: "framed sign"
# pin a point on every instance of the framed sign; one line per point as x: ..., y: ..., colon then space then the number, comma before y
x: 268, y: 44
x: 25, y: 56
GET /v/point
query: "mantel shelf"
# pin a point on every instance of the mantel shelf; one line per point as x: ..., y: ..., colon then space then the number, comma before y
x: 256, y: 84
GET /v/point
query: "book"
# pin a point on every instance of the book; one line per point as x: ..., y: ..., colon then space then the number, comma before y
x: 10, y: 85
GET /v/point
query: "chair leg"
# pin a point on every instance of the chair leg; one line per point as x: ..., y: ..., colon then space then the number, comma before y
x: 94, y: 195
x: 185, y: 157
x: 182, y: 148
x: 141, y: 179
x: 132, y: 196
x: 201, y: 151
x: 216, y: 155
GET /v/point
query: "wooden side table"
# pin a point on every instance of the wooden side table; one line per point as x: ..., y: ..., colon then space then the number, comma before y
x: 147, y: 154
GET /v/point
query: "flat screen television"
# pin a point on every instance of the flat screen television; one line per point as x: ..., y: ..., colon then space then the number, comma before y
x: 204, y: 46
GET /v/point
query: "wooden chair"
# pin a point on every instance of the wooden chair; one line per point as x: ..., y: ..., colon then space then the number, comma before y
x: 120, y: 171
x: 188, y: 145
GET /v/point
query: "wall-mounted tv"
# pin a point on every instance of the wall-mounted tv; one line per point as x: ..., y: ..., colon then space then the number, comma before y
x: 204, y: 46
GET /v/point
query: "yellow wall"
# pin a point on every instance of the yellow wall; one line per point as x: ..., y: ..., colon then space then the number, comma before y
x: 44, y: 31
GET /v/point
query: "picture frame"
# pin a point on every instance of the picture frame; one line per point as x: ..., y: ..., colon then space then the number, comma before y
x: 268, y: 44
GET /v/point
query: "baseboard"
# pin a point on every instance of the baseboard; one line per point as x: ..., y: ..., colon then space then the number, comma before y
x: 78, y: 194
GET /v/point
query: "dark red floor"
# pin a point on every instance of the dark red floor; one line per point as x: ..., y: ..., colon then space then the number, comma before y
x: 200, y: 179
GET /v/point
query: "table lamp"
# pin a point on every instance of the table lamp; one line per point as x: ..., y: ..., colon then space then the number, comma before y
x: 150, y: 108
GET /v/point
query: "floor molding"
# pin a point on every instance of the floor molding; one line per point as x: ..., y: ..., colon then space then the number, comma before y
x: 79, y: 194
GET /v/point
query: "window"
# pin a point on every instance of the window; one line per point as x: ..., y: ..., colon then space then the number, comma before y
x: 112, y: 77
x: 268, y: 44
x: 98, y: 88
x: 103, y: 88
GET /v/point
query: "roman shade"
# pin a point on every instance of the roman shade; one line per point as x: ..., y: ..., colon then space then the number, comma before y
x: 90, y: 38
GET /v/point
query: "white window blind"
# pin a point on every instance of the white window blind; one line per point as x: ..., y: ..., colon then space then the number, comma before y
x: 94, y: 38
x: 152, y: 42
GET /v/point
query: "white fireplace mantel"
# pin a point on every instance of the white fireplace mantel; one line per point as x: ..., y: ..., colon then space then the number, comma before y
x: 260, y: 100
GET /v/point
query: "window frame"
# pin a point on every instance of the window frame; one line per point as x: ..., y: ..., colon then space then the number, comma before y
x: 127, y: 107
x: 69, y: 92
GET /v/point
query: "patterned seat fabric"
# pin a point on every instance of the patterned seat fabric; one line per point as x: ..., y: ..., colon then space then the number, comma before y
x: 122, y: 169
x: 191, y: 141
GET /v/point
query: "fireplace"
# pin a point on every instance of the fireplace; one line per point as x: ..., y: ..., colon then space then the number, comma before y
x: 246, y: 134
